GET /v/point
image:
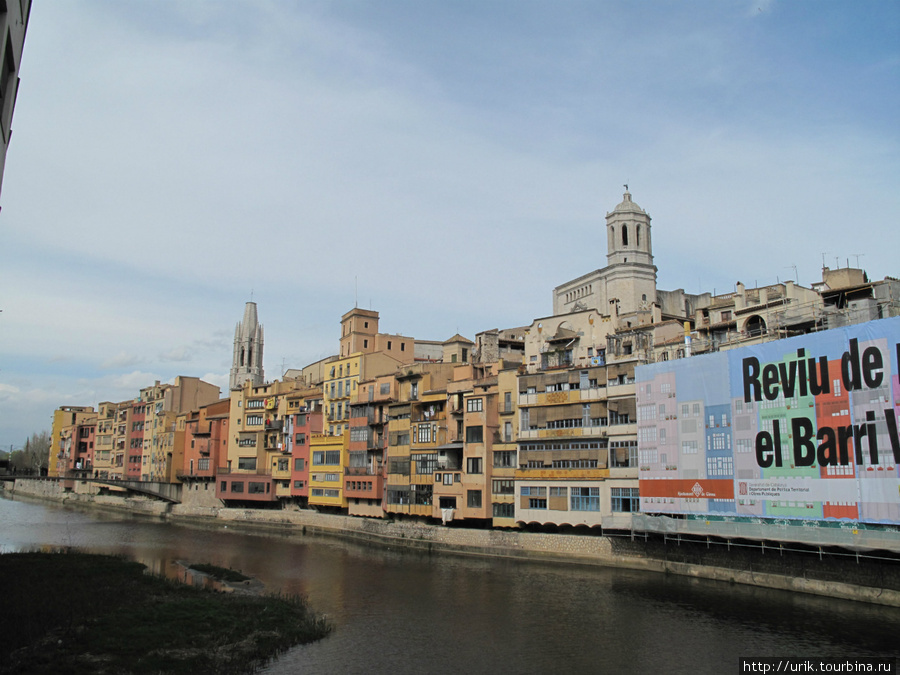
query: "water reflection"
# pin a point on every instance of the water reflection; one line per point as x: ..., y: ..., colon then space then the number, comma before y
x: 407, y: 611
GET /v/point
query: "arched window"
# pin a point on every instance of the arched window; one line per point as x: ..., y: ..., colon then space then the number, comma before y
x: 242, y: 356
x: 637, y: 236
x: 624, y: 235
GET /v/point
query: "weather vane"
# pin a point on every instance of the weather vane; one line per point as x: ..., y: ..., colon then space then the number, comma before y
x: 626, y: 187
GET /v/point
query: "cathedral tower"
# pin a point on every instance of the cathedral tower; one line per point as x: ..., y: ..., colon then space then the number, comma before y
x: 247, y: 363
x: 626, y: 288
x: 628, y: 234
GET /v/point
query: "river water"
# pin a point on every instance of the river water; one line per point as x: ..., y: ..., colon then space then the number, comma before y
x: 398, y: 611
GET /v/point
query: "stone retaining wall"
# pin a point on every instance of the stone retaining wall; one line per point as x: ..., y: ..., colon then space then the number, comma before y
x: 590, y: 550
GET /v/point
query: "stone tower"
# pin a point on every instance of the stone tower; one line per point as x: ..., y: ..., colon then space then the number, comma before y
x: 247, y: 363
x: 630, y: 275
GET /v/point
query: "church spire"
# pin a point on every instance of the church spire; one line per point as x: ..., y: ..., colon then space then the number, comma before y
x: 247, y: 363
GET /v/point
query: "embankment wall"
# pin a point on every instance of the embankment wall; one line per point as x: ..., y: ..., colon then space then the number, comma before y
x: 872, y: 582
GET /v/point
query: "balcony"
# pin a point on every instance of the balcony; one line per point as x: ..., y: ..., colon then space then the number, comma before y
x: 363, y: 470
x: 620, y: 389
x: 274, y: 425
x: 368, y: 488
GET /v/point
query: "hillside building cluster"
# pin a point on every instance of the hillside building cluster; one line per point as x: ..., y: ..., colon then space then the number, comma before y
x: 530, y: 425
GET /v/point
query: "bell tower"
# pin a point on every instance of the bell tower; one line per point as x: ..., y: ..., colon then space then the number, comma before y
x: 630, y: 274
x: 628, y: 234
x: 247, y: 363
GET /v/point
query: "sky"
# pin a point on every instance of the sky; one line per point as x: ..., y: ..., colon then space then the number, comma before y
x: 444, y: 163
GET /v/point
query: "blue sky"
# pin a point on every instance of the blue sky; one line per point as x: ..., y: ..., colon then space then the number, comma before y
x: 446, y: 164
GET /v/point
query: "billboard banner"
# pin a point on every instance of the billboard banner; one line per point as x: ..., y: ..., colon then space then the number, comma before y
x: 805, y: 427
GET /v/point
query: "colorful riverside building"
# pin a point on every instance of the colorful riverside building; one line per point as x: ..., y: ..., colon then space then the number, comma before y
x: 257, y: 454
x: 364, y: 477
x: 136, y: 416
x: 64, y: 419
x: 205, y: 444
x: 364, y: 354
x: 109, y: 456
x: 161, y: 404
x: 303, y: 423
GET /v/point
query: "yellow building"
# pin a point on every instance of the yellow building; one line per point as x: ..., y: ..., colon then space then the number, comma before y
x: 64, y: 416
x: 328, y: 457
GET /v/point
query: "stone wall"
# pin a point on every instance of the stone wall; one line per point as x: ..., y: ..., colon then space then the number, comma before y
x: 847, y: 579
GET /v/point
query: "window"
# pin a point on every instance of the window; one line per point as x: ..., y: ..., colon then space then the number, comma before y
x: 203, y: 464
x: 625, y: 500
x: 385, y: 388
x: 474, y: 405
x: 255, y: 488
x: 414, y: 390
x: 298, y: 464
x: 507, y: 432
x: 474, y: 435
x: 623, y: 454
x: 247, y: 463
x: 448, y: 479
x: 424, y: 433
x: 399, y: 465
x: 503, y: 487
x: 505, y: 459
x: 326, y: 457
x: 473, y: 499
x: 504, y: 510
x: 473, y: 465
x: 425, y: 463
x: 283, y: 464
x: 254, y: 419
x: 237, y: 486
x: 298, y: 484
x: 585, y: 499
x: 223, y: 486
x: 365, y: 344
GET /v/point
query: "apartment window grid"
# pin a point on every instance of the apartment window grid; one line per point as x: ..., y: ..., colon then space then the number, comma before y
x: 503, y: 487
x: 504, y: 459
x: 624, y: 453
x: 425, y: 463
x: 625, y: 500
x: 326, y: 457
x: 573, y: 464
x: 585, y: 499
x: 426, y: 433
x: 533, y: 491
x: 504, y: 510
x: 688, y: 447
x: 719, y: 466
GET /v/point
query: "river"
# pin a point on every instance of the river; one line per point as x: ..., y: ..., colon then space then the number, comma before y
x: 398, y: 611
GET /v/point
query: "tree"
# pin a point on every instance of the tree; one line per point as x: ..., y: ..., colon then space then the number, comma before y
x: 34, y: 458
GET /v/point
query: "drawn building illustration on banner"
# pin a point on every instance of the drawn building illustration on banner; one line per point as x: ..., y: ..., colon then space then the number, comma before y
x: 800, y: 428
